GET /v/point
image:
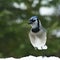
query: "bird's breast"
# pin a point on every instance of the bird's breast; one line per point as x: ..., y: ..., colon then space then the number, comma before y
x: 39, y: 34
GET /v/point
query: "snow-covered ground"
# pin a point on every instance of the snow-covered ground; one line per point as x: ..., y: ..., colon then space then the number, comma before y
x: 33, y: 58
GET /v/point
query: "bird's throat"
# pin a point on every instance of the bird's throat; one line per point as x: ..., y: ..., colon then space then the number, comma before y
x: 35, y: 30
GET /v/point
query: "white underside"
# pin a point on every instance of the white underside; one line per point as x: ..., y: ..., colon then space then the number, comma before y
x: 38, y: 40
x: 39, y: 44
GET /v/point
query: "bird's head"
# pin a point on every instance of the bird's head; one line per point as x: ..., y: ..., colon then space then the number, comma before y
x: 34, y: 21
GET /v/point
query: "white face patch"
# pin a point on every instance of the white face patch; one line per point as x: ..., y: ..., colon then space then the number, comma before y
x: 34, y: 25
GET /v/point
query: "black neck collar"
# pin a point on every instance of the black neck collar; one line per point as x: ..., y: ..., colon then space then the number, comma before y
x: 35, y: 30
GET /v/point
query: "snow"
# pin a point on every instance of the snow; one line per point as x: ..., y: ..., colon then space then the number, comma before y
x: 45, y: 2
x: 18, y: 20
x: 32, y: 58
x: 48, y: 11
x: 35, y: 2
x: 56, y: 32
x: 22, y: 5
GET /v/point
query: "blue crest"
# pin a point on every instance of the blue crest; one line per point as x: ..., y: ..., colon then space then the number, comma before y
x: 34, y: 17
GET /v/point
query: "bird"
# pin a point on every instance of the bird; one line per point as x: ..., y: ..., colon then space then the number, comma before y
x: 37, y: 34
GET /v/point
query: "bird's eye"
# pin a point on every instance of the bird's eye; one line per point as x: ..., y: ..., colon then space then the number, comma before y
x: 33, y: 20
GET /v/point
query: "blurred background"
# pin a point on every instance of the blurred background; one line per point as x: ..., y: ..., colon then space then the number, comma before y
x: 14, y: 28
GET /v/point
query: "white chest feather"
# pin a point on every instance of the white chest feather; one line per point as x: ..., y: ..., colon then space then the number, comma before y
x: 38, y: 40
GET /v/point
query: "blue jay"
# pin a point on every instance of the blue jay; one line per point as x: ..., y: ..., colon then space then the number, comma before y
x: 37, y: 34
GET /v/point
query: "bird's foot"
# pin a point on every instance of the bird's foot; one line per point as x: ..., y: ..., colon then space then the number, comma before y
x: 41, y: 47
x: 44, y: 47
